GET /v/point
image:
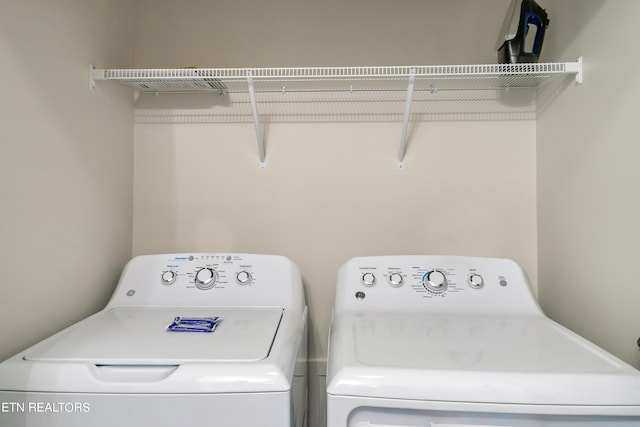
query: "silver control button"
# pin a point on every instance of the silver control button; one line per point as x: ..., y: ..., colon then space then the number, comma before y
x: 169, y: 277
x: 476, y: 281
x: 368, y: 279
x: 435, y: 281
x: 243, y: 277
x: 206, y: 278
x: 395, y: 280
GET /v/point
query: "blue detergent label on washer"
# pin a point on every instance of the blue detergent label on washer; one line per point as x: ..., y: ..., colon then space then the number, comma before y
x: 193, y: 324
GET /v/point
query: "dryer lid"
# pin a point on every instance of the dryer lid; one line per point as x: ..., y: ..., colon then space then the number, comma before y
x: 480, y: 343
x: 139, y: 336
x: 481, y: 359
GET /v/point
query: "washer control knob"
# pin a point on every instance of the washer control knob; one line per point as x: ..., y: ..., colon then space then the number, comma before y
x: 395, y: 280
x: 368, y: 279
x: 206, y: 278
x: 435, y: 281
x: 243, y: 277
x: 476, y: 281
x: 169, y: 277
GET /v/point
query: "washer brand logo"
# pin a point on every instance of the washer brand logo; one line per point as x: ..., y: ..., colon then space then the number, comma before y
x: 45, y: 407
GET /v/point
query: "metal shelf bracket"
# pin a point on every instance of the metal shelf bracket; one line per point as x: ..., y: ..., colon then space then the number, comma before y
x: 405, y: 119
x: 256, y: 120
x: 94, y: 75
x: 576, y: 67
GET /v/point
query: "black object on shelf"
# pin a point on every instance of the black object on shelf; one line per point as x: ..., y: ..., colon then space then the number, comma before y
x: 522, y: 33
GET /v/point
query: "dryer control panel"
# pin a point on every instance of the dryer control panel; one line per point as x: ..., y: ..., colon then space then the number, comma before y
x: 209, y: 279
x: 445, y: 284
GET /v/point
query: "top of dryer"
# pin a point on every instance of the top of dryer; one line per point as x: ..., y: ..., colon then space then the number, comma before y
x: 464, y: 330
x: 210, y: 280
x: 434, y: 284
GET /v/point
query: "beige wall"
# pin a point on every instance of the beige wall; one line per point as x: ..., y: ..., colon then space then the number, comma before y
x: 65, y: 164
x: 290, y: 33
x: 330, y: 191
x: 588, y: 175
x: 333, y: 191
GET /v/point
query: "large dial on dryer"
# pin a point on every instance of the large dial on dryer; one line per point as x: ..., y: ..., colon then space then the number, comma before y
x: 435, y: 281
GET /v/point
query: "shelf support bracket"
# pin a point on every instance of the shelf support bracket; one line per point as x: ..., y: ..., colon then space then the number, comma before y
x: 256, y: 120
x: 94, y: 75
x: 577, y: 68
x: 405, y: 119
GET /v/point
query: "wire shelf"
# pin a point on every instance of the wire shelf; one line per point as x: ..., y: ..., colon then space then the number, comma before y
x: 443, y: 77
x: 347, y: 94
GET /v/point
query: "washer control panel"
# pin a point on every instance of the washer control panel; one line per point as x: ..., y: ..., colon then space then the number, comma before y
x: 206, y: 278
x: 442, y: 283
x: 206, y: 272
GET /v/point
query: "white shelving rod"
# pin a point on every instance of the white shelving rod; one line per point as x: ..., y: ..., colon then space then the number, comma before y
x: 405, y: 118
x: 256, y: 119
x: 213, y: 79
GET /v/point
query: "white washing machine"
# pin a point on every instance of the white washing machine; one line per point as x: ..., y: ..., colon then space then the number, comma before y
x: 443, y: 341
x: 186, y: 340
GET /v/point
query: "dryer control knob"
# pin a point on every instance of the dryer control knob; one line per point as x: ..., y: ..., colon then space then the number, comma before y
x: 368, y: 279
x: 243, y: 277
x: 206, y: 278
x: 395, y: 280
x: 476, y: 281
x: 169, y: 277
x: 435, y: 281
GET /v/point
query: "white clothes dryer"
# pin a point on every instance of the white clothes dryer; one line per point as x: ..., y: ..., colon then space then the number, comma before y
x: 186, y: 340
x: 440, y: 341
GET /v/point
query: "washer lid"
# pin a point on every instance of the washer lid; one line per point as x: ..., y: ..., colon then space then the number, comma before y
x: 139, y: 336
